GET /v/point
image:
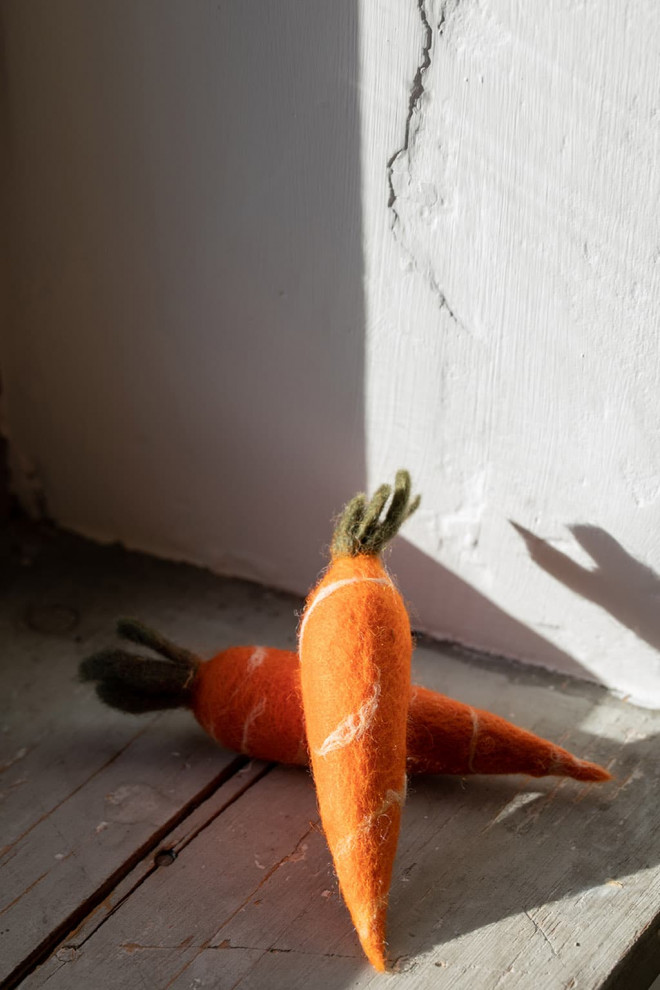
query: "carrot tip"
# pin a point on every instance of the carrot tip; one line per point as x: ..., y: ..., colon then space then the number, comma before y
x: 375, y: 955
x: 583, y: 770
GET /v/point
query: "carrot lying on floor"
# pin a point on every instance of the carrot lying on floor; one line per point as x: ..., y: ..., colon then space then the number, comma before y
x: 248, y: 699
x: 355, y: 647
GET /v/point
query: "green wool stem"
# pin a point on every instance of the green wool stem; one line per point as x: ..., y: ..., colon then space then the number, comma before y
x: 361, y: 530
x: 143, y: 635
x: 135, y: 683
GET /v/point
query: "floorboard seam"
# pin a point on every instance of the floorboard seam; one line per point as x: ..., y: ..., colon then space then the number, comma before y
x: 40, y: 954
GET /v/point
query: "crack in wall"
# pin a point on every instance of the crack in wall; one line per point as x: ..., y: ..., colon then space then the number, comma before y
x: 401, y: 159
x: 414, y: 104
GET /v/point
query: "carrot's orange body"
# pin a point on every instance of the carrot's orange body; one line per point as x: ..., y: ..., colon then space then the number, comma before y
x: 447, y: 736
x: 355, y: 651
x: 248, y: 698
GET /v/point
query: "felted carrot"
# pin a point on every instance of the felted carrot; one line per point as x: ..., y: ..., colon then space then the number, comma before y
x: 446, y: 736
x: 248, y: 699
x: 355, y: 648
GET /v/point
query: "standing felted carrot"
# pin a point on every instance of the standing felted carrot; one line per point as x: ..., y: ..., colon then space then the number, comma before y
x: 355, y: 648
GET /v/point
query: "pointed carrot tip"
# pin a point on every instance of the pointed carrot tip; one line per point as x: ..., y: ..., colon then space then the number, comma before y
x: 372, y: 940
x: 583, y: 770
x: 598, y: 773
x: 375, y: 955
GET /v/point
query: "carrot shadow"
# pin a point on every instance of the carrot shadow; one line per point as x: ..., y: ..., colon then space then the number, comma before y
x: 581, y: 840
x: 619, y: 584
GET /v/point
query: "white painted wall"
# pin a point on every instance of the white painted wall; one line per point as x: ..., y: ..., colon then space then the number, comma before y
x: 513, y: 306
x: 260, y: 257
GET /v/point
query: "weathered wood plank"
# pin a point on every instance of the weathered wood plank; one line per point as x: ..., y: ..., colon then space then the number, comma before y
x: 84, y: 790
x: 157, y: 861
x: 60, y: 599
x: 89, y: 840
x: 221, y: 871
x: 499, y: 883
x: 170, y: 848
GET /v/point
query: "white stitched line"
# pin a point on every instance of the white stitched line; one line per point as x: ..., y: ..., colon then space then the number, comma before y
x: 392, y: 797
x: 253, y: 715
x: 256, y: 659
x: 353, y: 726
x: 473, y: 740
x: 366, y: 927
x: 330, y: 588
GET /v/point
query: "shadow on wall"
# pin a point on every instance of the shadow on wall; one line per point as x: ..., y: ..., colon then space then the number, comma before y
x: 186, y: 246
x: 628, y: 590
x: 439, y: 591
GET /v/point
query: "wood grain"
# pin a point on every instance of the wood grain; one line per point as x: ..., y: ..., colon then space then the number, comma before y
x: 171, y: 878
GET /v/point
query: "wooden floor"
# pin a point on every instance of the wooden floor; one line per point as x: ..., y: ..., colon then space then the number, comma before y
x: 137, y: 854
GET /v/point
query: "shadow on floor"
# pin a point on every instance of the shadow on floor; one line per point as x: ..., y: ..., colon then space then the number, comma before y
x: 592, y: 849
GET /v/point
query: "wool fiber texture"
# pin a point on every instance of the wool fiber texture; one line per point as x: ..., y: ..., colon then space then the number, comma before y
x: 248, y: 699
x: 355, y: 652
x: 447, y: 736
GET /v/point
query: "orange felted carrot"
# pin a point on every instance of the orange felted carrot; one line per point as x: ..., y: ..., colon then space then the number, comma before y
x: 248, y: 699
x: 446, y: 736
x: 355, y: 647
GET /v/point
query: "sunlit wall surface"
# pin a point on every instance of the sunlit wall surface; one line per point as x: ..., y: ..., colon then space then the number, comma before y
x: 512, y: 298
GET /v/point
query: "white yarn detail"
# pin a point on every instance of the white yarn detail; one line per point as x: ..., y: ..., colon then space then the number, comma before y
x: 330, y: 589
x: 256, y: 659
x: 253, y: 715
x: 391, y: 798
x: 353, y: 726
